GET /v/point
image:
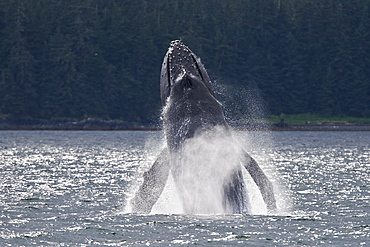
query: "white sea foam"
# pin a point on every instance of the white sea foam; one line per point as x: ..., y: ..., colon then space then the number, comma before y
x: 205, y: 165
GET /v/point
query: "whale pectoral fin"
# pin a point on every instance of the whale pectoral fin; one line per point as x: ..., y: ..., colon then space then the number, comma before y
x: 262, y: 182
x: 154, y: 181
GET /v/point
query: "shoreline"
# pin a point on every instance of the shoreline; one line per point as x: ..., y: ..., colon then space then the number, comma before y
x: 100, y: 124
x: 91, y: 127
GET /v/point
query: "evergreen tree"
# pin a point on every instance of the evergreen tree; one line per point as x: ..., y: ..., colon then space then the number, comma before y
x: 18, y: 73
x: 96, y: 58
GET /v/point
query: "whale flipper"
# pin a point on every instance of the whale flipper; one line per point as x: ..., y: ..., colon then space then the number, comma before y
x: 261, y: 180
x: 154, y: 181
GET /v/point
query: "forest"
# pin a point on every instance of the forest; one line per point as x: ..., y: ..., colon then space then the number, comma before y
x: 67, y: 59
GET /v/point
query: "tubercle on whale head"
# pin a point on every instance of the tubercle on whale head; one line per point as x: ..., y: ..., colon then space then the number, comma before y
x: 182, y: 70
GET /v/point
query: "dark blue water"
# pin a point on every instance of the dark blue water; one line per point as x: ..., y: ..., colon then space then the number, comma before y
x: 70, y: 188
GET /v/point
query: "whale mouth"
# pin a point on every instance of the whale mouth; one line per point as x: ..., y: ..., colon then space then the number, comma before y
x: 188, y: 56
x: 182, y: 61
x: 182, y: 68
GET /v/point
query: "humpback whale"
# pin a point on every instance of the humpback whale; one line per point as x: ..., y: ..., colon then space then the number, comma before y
x: 191, y: 111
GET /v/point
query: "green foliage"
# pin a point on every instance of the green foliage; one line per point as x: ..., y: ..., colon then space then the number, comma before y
x: 315, y: 119
x: 95, y: 58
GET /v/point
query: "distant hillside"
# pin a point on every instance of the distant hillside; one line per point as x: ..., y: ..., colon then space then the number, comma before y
x: 101, y: 59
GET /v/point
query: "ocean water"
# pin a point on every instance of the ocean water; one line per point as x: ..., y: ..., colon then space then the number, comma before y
x: 70, y: 188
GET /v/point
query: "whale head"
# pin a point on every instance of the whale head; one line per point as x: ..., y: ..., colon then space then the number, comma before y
x: 183, y: 73
x: 189, y: 105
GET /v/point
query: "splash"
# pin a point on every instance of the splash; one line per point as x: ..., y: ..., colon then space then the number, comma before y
x: 260, y: 145
x: 242, y: 103
x: 203, y: 168
x: 244, y: 106
x: 200, y: 171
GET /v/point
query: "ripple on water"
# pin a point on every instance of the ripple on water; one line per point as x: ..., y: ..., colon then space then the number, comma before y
x: 69, y: 188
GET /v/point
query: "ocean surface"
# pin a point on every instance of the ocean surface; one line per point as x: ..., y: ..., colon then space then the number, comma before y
x: 71, y: 188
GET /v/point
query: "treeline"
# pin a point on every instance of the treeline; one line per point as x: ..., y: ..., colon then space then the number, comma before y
x: 101, y: 58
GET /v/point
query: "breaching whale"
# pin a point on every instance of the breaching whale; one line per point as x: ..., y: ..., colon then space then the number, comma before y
x: 190, y: 110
